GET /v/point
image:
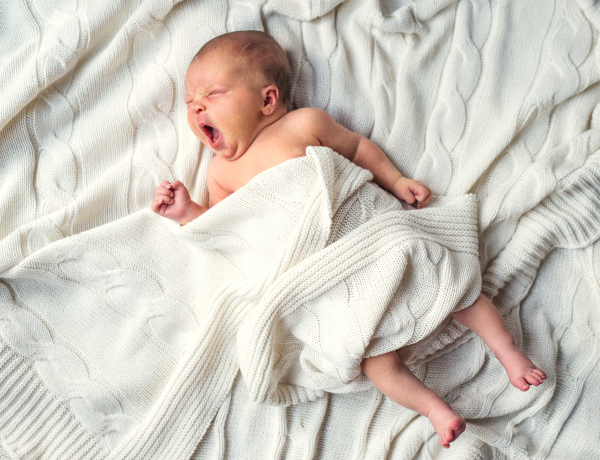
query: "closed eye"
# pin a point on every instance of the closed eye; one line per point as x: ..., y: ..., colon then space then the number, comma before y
x: 211, y: 94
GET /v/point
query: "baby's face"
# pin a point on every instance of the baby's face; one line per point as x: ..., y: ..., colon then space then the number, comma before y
x: 223, y: 108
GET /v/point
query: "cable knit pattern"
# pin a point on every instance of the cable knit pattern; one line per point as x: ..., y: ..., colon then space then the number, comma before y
x: 55, y: 192
x: 125, y: 336
x: 71, y: 381
x: 151, y: 99
x: 458, y: 82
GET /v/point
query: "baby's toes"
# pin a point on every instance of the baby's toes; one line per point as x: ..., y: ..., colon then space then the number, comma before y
x: 521, y: 384
x: 448, y: 437
x: 462, y: 426
x: 540, y: 374
x: 456, y: 425
x: 533, y: 379
x: 454, y: 430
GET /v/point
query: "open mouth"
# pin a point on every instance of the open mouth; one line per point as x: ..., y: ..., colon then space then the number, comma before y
x: 212, y: 134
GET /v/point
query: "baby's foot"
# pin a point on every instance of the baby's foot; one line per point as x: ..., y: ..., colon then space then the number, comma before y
x: 447, y: 424
x: 521, y: 371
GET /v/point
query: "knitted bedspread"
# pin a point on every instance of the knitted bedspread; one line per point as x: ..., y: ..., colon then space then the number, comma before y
x: 239, y: 335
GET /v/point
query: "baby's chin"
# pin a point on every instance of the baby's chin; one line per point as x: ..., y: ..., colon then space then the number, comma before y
x: 223, y: 149
x: 227, y: 153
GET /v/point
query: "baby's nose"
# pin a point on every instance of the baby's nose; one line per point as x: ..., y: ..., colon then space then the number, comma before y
x: 197, y: 106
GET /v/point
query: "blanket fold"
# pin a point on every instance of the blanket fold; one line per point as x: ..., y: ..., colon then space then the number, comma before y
x: 341, y: 271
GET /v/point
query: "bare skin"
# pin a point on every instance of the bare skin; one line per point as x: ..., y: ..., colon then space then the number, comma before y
x: 243, y: 123
x: 485, y: 320
x: 398, y: 383
x: 249, y: 131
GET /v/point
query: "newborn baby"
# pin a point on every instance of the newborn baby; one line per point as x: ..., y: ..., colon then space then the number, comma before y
x: 237, y: 94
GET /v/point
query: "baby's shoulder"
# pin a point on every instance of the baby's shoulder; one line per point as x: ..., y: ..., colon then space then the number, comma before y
x: 300, y: 128
x: 307, y: 117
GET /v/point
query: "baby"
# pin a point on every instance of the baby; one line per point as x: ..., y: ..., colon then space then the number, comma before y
x: 237, y: 94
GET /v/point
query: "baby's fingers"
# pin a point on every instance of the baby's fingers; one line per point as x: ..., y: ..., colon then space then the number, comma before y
x: 160, y: 191
x: 177, y: 185
x: 155, y: 205
x: 164, y: 199
x: 423, y: 196
x: 160, y: 204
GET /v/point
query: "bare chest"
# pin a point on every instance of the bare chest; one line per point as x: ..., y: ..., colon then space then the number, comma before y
x: 258, y: 158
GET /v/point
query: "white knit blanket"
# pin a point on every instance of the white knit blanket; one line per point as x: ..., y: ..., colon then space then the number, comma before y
x: 330, y: 269
x: 125, y: 336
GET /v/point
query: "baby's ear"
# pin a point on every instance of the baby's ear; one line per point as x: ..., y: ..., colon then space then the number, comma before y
x: 270, y: 97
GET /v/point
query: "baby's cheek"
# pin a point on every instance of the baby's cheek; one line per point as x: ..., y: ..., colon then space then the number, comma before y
x: 190, y: 120
x: 192, y: 125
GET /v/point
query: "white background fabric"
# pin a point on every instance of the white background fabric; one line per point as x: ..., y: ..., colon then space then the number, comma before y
x: 496, y: 98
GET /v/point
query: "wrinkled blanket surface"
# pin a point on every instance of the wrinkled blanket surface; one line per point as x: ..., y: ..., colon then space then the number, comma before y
x: 332, y: 269
x: 105, y: 331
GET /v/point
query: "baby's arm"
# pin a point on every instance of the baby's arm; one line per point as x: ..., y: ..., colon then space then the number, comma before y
x: 371, y: 157
x: 366, y: 154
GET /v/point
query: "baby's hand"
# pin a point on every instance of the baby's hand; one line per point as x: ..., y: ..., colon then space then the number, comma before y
x: 413, y: 192
x: 173, y: 201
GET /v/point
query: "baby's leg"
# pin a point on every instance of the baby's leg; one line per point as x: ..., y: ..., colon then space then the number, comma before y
x: 398, y: 383
x: 485, y: 320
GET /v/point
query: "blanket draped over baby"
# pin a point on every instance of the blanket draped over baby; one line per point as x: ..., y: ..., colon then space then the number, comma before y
x: 299, y: 275
x: 326, y: 268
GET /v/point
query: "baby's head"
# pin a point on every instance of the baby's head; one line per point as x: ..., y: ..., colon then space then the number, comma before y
x: 237, y: 84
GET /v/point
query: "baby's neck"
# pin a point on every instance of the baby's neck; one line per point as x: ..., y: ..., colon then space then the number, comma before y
x: 268, y: 121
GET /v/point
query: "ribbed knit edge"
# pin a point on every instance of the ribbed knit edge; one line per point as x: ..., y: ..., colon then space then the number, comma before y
x: 567, y: 218
x: 5, y: 451
x: 34, y: 423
